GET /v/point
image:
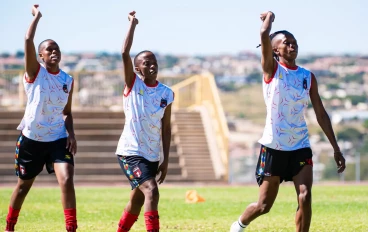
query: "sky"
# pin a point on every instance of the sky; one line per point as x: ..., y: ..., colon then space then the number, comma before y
x: 187, y: 27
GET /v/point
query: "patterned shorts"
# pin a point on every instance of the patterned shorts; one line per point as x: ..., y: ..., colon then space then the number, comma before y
x: 285, y: 164
x: 137, y: 169
x: 31, y: 156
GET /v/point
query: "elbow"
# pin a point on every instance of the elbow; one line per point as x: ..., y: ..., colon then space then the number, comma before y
x: 28, y: 39
x: 322, y: 118
x: 265, y: 33
x: 125, y: 53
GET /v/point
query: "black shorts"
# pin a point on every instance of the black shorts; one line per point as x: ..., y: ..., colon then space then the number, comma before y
x: 285, y: 164
x: 31, y: 156
x: 137, y: 169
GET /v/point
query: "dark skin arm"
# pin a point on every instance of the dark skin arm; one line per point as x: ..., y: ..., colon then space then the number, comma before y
x: 325, y: 123
x: 31, y: 63
x: 71, y: 144
x: 166, y: 140
x: 268, y: 62
x: 125, y: 52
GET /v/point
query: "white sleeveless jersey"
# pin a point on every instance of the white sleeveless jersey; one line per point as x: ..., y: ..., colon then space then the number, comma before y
x: 286, y: 96
x: 144, y: 107
x: 47, y: 96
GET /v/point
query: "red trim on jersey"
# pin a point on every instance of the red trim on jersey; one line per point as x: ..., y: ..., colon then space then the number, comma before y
x: 289, y: 67
x: 38, y: 71
x: 53, y: 73
x: 154, y: 85
x: 273, y: 75
x: 125, y: 87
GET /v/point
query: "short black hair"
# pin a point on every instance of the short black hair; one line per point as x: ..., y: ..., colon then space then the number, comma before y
x: 41, y: 44
x: 138, y: 55
x: 272, y: 36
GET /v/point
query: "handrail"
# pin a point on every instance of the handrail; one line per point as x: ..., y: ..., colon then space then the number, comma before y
x: 201, y: 90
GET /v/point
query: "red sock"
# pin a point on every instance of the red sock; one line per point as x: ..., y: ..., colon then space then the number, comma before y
x: 126, y: 221
x: 152, y: 221
x: 70, y: 219
x: 11, y: 219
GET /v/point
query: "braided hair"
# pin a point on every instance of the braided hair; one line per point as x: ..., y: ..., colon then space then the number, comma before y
x: 272, y: 36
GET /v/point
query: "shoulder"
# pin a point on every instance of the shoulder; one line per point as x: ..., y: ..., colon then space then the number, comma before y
x: 67, y: 76
x: 166, y: 90
x: 305, y: 70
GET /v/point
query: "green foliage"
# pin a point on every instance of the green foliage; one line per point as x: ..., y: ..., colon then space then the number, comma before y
x: 349, y: 134
x: 365, y: 124
x: 354, y: 78
x: 333, y: 86
x: 19, y: 54
x: 255, y: 77
x: 4, y: 55
x: 357, y: 99
x: 170, y: 61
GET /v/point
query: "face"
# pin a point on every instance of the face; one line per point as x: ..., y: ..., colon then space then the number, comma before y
x: 147, y: 65
x: 50, y: 52
x: 286, y: 46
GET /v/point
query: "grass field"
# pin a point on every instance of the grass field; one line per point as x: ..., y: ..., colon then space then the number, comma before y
x: 343, y: 208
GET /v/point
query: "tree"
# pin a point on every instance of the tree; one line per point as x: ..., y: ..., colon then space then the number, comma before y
x: 4, y: 55
x: 19, y: 54
x: 350, y: 134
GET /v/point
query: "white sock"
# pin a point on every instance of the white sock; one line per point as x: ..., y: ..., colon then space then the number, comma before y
x: 241, y: 224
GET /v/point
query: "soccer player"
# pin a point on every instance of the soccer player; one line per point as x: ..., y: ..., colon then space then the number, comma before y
x: 44, y: 140
x: 147, y: 107
x: 285, y: 149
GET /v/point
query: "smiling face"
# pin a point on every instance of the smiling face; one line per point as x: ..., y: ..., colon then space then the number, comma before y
x: 146, y: 64
x: 285, y: 46
x: 49, y: 52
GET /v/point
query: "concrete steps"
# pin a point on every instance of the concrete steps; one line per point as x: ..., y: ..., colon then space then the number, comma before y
x: 97, y: 135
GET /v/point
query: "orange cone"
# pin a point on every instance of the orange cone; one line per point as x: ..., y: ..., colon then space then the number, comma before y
x: 192, y: 196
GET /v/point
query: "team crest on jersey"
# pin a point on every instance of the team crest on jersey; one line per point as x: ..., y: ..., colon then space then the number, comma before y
x: 141, y: 92
x: 137, y: 172
x: 280, y: 76
x: 65, y: 88
x: 163, y: 103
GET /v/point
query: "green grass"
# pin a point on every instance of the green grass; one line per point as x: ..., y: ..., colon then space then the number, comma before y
x: 343, y: 208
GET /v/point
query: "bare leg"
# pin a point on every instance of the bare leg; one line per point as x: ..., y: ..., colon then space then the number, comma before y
x: 20, y: 192
x: 267, y: 195
x: 64, y: 174
x: 303, y: 186
x: 136, y: 202
x: 150, y: 190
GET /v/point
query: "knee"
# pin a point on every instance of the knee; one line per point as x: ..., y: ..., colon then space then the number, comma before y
x: 263, y: 208
x: 66, y: 181
x: 23, y: 189
x: 151, y: 193
x: 305, y: 196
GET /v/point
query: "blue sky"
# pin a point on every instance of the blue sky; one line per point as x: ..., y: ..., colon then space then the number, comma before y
x: 192, y: 27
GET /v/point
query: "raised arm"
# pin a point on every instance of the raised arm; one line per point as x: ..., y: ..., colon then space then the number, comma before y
x: 125, y: 51
x: 31, y: 63
x: 268, y: 62
x: 325, y: 123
